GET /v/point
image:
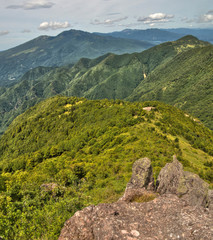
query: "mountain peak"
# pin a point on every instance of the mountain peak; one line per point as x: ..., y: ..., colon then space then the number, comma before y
x: 73, y: 32
x: 189, y: 37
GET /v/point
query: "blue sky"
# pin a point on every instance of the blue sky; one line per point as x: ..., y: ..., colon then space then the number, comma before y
x: 23, y: 20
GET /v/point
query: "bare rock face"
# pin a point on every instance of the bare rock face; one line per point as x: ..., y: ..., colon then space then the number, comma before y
x: 189, y: 186
x: 166, y: 217
x: 141, y: 182
x: 142, y: 176
x: 210, y: 200
x: 177, y: 213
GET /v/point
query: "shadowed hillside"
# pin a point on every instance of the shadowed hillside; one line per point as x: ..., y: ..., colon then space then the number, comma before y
x: 119, y: 77
x: 66, y: 48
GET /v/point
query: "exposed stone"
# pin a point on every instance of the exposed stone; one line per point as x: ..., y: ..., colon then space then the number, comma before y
x: 177, y: 213
x: 49, y: 187
x: 142, y: 176
x: 148, y: 109
x: 141, y: 180
x: 166, y: 217
x: 52, y: 188
x: 189, y: 186
x: 210, y: 200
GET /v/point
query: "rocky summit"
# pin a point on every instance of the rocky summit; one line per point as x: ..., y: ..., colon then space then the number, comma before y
x: 179, y: 206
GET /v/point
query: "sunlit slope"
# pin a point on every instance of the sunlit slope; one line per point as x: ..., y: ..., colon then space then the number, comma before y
x: 67, y: 153
x: 109, y: 76
x: 185, y: 81
x: 66, y: 48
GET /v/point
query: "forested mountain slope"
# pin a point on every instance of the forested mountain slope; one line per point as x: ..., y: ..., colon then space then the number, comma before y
x: 66, y: 48
x: 67, y: 153
x: 109, y: 76
x: 185, y: 81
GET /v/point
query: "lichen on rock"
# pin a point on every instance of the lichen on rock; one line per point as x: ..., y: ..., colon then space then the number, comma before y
x: 177, y: 211
x: 189, y: 186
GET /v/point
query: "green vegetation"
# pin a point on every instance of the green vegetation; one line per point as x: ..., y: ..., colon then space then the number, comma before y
x: 66, y: 48
x: 150, y: 75
x: 185, y: 81
x: 146, y: 197
x: 67, y: 153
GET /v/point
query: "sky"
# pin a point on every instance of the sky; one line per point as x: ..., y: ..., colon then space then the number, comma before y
x: 23, y: 20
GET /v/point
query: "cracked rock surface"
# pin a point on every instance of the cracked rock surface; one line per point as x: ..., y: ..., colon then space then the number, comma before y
x: 169, y: 216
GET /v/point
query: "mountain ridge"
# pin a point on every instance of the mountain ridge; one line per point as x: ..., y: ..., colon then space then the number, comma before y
x: 109, y: 76
x: 68, y: 153
x: 160, y: 35
x: 66, y: 48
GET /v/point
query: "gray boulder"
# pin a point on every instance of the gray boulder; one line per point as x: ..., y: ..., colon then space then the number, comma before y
x: 166, y: 217
x: 210, y: 200
x: 142, y: 176
x: 186, y: 185
x: 141, y: 182
x: 170, y: 215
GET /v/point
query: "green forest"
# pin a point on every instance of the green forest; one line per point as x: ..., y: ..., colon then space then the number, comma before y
x: 178, y: 73
x: 66, y: 153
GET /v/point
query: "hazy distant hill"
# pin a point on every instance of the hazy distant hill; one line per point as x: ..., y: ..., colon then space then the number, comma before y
x: 153, y: 35
x: 162, y: 35
x: 183, y: 67
x: 201, y: 33
x: 66, y: 48
x: 68, y: 153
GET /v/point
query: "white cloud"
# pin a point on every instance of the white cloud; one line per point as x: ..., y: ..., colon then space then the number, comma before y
x: 32, y: 5
x: 108, y: 21
x: 206, y: 18
x: 2, y: 33
x: 156, y: 18
x: 53, y: 25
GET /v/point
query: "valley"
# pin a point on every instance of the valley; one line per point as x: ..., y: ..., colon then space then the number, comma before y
x: 167, y: 68
x: 79, y: 109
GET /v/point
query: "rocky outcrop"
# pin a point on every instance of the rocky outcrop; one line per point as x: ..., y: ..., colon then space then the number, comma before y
x: 186, y: 185
x: 210, y: 200
x: 141, y: 182
x: 177, y: 212
x: 142, y: 176
x: 166, y: 217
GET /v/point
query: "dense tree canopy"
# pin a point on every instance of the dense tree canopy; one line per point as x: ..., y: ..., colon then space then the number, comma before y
x: 67, y: 153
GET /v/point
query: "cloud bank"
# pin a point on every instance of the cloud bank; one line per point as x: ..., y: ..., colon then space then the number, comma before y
x: 32, y: 5
x: 206, y: 18
x: 108, y: 21
x: 2, y: 33
x: 156, y: 18
x: 53, y: 25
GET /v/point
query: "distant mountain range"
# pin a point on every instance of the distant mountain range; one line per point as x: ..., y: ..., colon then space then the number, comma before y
x: 178, y: 73
x: 162, y: 35
x: 68, y: 152
x: 152, y: 35
x: 202, y: 34
x: 66, y: 48
x: 69, y: 46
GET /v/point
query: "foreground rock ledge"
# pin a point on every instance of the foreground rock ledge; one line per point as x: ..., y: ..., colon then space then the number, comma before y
x: 166, y: 217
